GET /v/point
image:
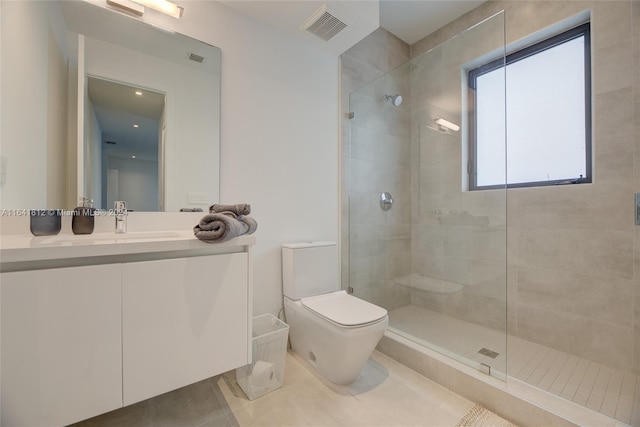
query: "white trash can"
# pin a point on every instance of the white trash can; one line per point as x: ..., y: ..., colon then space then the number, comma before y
x: 266, y: 373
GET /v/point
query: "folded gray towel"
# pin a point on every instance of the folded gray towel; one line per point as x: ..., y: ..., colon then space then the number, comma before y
x: 239, y: 209
x: 220, y: 227
x: 250, y: 222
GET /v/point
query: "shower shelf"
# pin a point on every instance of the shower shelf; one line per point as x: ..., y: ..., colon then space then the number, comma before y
x: 417, y: 281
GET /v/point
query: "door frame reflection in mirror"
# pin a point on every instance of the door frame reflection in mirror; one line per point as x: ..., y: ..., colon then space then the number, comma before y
x: 123, y: 126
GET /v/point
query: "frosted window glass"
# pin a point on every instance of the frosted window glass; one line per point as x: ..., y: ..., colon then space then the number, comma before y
x: 490, y: 128
x: 545, y: 126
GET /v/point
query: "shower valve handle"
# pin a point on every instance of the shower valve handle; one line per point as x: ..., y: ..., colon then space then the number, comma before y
x: 386, y: 201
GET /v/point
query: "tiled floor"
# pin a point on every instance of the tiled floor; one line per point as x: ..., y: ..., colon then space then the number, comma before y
x: 386, y: 394
x: 456, y: 338
x: 609, y: 391
x: 200, y: 404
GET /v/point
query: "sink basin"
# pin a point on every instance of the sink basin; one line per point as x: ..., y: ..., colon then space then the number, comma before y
x: 70, y: 239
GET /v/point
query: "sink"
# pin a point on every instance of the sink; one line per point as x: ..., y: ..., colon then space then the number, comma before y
x: 71, y: 239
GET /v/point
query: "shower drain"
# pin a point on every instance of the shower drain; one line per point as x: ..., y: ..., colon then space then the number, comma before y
x: 490, y: 353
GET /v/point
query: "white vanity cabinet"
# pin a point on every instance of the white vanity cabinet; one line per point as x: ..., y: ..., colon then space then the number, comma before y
x: 89, y: 328
x: 61, y: 346
x: 183, y: 320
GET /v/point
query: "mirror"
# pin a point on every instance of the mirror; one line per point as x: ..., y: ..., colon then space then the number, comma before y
x: 69, y: 104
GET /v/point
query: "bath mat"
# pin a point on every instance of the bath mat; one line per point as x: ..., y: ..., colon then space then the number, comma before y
x: 479, y: 416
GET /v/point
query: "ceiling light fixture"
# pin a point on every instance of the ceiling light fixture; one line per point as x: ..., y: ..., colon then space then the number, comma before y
x: 163, y: 6
x: 445, y: 124
x: 127, y: 5
x: 139, y: 93
x: 136, y: 126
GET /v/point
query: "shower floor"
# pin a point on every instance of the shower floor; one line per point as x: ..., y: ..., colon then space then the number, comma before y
x: 598, y: 387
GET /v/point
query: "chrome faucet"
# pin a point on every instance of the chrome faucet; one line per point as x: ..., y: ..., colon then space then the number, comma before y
x: 121, y: 216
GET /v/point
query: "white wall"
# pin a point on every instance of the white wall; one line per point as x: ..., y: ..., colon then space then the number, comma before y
x: 25, y: 96
x: 279, y: 133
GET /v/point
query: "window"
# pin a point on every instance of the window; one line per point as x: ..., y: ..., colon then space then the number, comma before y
x: 548, y: 110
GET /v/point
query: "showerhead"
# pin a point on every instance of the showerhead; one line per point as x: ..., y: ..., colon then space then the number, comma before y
x: 396, y: 100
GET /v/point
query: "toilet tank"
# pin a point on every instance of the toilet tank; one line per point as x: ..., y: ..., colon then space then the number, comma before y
x: 309, y: 268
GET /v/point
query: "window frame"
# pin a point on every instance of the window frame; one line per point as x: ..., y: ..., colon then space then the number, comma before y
x: 583, y: 30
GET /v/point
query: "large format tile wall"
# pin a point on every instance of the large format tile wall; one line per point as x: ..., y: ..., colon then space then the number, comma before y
x: 573, y: 252
x: 376, y: 244
x: 635, y: 40
x: 458, y: 237
x: 574, y: 276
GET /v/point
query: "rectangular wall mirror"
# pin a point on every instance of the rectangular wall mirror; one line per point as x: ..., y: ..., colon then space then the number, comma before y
x: 100, y: 104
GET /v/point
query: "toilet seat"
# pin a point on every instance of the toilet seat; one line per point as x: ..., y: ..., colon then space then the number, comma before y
x: 344, y: 309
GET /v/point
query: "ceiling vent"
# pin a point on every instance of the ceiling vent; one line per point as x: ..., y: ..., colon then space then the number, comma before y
x: 196, y: 58
x: 324, y: 23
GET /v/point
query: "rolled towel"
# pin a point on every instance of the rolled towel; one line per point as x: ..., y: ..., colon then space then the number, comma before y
x: 218, y: 228
x: 250, y: 222
x: 239, y: 209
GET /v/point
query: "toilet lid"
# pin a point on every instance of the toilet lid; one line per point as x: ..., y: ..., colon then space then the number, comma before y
x: 344, y: 309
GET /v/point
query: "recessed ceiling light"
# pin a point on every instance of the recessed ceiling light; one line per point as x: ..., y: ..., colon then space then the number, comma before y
x: 139, y: 93
x: 136, y: 126
x: 133, y: 157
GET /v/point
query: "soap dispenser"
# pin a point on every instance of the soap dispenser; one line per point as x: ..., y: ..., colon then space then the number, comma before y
x: 121, y: 216
x: 83, y: 219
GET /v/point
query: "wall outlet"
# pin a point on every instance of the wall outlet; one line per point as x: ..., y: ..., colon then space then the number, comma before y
x: 3, y: 169
x: 196, y: 198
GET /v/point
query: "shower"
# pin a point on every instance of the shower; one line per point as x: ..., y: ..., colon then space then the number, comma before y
x: 455, y: 265
x: 441, y: 259
x: 396, y: 100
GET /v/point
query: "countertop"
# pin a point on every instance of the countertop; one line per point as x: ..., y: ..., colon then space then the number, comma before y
x: 20, y: 249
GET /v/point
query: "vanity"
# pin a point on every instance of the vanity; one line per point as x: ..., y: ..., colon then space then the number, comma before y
x: 92, y: 323
x: 96, y: 322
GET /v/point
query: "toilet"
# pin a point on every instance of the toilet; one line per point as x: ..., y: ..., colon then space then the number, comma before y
x: 332, y: 330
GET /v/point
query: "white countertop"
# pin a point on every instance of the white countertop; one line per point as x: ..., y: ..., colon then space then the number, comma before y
x: 29, y: 248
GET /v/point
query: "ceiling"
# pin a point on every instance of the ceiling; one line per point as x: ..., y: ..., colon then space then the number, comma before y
x: 412, y: 20
x: 362, y: 18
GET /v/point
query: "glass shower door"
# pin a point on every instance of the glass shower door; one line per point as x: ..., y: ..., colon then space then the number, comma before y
x: 436, y: 257
x: 380, y: 189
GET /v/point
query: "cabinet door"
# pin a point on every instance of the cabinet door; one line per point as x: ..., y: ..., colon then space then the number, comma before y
x: 184, y: 320
x: 61, y: 345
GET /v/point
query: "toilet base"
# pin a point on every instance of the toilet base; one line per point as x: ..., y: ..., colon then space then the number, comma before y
x: 338, y: 353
